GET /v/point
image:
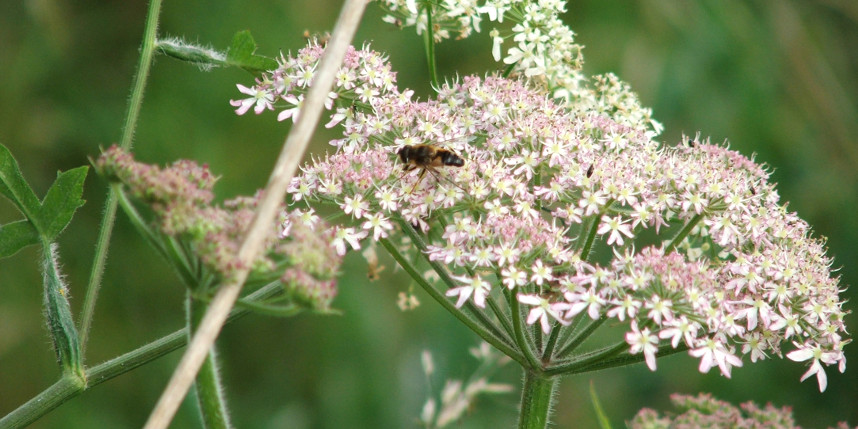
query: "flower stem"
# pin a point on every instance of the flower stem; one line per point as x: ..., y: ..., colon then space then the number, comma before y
x: 429, y: 46
x: 536, y: 396
x: 489, y: 337
x: 66, y: 388
x: 445, y: 276
x: 683, y: 233
x: 608, y: 357
x: 520, y: 338
x: 552, y: 341
x: 579, y: 338
x: 210, y: 399
x: 132, y: 113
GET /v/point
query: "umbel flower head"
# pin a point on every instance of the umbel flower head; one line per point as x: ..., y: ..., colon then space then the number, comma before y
x: 564, y: 209
x: 299, y: 254
x: 705, y: 411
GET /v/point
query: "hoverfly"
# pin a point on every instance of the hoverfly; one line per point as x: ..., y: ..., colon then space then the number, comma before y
x: 427, y: 157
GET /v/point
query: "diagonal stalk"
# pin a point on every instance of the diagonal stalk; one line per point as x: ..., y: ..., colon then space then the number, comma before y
x: 287, y: 163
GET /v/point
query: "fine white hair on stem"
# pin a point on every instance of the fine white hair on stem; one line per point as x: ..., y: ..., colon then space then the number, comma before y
x: 287, y: 163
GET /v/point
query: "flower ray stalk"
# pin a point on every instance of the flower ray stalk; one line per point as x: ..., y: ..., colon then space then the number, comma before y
x: 521, y: 336
x: 581, y: 336
x: 448, y: 280
x: 467, y: 319
x: 574, y: 367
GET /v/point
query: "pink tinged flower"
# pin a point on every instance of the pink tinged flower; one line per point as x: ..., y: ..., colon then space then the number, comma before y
x: 818, y: 355
x: 513, y: 277
x: 659, y: 309
x: 643, y: 341
x: 355, y: 205
x: 475, y: 286
x: 542, y: 310
x: 347, y: 235
x: 482, y: 257
x: 506, y: 254
x: 616, y: 227
x: 292, y: 112
x: 259, y: 99
x: 712, y: 352
x: 496, y: 207
x: 387, y: 199
x: 628, y: 306
x: 379, y: 225
x: 581, y: 299
x: 591, y: 202
x: 755, y: 345
x: 678, y: 329
x: 695, y: 199
x: 541, y: 273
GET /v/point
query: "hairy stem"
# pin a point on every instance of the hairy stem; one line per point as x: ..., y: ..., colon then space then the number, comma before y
x: 210, y: 398
x: 67, y: 388
x: 683, y: 233
x: 536, y: 396
x: 472, y: 324
x: 131, y: 114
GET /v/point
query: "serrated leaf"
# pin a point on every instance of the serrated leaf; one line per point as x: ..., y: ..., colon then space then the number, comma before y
x: 14, y: 187
x: 16, y: 236
x: 241, y: 54
x: 61, y: 201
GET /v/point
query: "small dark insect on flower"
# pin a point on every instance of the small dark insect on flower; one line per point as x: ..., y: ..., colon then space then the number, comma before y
x: 590, y: 171
x: 427, y: 157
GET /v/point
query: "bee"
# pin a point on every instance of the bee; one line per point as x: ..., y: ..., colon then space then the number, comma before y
x: 427, y: 157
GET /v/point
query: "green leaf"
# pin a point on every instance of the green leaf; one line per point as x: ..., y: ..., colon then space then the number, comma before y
x: 14, y: 187
x: 241, y: 54
x: 61, y: 201
x: 47, y: 217
x: 16, y: 236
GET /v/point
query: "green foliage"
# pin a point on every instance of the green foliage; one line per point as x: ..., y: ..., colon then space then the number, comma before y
x: 45, y: 219
x: 242, y: 54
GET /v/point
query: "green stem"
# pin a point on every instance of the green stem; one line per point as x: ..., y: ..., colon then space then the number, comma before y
x: 59, y: 318
x: 489, y: 337
x: 579, y: 338
x: 521, y: 340
x: 591, y: 236
x: 683, y: 233
x: 210, y: 399
x: 608, y: 357
x: 132, y: 113
x: 67, y: 388
x: 536, y: 396
x: 445, y: 276
x: 552, y: 341
x: 508, y: 70
x: 429, y: 46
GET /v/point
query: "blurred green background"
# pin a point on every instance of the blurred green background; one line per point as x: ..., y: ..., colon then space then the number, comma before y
x: 776, y: 78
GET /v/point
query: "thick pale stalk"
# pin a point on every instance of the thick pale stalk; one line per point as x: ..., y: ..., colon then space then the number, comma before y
x: 284, y: 170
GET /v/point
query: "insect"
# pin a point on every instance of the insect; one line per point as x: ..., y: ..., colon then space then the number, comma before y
x: 427, y: 157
